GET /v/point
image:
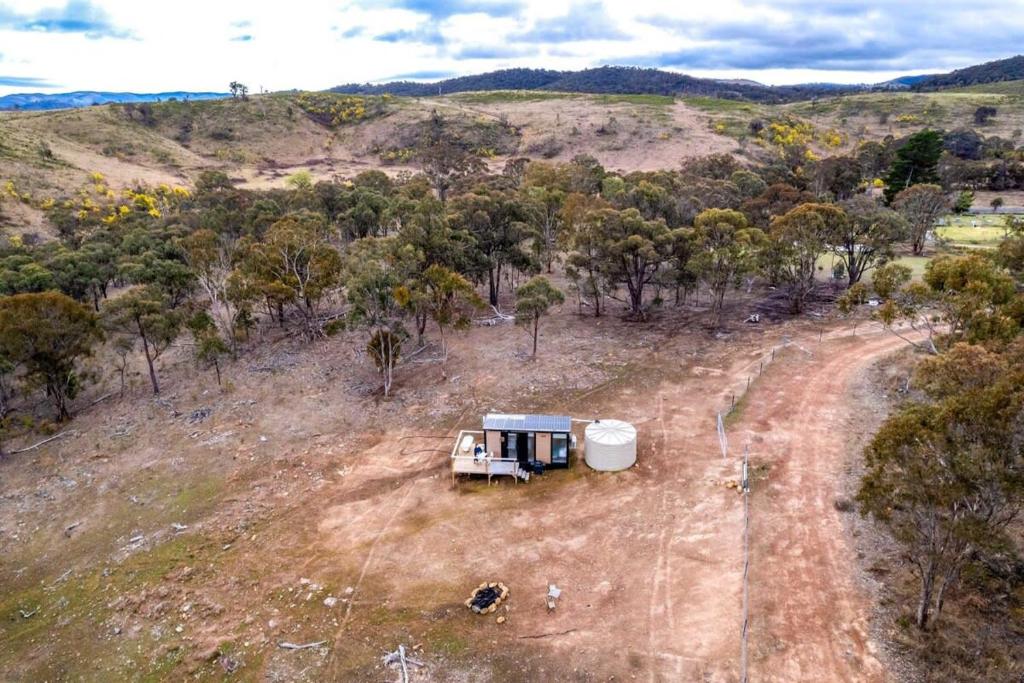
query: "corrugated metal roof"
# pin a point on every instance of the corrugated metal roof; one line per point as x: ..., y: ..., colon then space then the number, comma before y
x: 527, y: 423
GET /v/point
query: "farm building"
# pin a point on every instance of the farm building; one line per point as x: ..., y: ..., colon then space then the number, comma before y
x: 529, y: 439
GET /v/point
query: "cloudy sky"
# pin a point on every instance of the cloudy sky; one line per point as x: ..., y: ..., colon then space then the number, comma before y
x: 142, y: 46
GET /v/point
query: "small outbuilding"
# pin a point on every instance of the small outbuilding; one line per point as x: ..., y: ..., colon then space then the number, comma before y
x: 610, y: 445
x: 529, y: 439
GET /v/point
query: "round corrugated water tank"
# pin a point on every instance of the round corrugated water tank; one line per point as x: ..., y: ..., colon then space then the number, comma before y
x: 610, y: 445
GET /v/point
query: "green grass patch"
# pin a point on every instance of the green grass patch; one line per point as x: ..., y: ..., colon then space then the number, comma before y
x: 967, y: 235
x: 732, y: 127
x: 446, y: 641
x: 1000, y: 88
x: 645, y: 100
x: 508, y: 96
x: 72, y: 615
x: 715, y: 104
x: 916, y: 264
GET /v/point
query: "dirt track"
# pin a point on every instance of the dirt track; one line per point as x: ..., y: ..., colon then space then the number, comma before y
x: 808, y: 614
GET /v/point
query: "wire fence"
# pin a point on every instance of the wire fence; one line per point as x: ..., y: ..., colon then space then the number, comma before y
x: 745, y: 483
x: 755, y: 369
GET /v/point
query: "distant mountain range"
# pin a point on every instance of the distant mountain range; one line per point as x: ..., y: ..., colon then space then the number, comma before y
x: 612, y: 80
x: 902, y: 82
x: 634, y: 80
x: 87, y: 98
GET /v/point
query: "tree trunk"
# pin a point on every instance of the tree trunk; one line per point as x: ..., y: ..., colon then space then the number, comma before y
x: 924, y: 603
x: 59, y: 397
x: 421, y: 326
x: 149, y: 362
x: 444, y: 351
x: 536, y: 326
x: 387, y: 378
x: 940, y: 595
x: 717, y: 304
x: 216, y: 366
x: 597, y: 294
x: 918, y: 245
x: 492, y: 291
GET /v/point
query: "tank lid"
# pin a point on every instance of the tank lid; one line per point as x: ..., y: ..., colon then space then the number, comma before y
x: 611, y: 432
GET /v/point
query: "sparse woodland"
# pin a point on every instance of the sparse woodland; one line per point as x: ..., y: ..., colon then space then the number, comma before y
x: 412, y: 259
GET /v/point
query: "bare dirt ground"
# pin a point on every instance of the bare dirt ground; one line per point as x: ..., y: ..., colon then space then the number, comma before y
x: 296, y: 483
x: 809, y: 610
x: 624, y: 135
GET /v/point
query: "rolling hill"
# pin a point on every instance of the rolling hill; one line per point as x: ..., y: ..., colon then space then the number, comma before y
x: 262, y: 141
x: 1011, y: 69
x: 620, y: 80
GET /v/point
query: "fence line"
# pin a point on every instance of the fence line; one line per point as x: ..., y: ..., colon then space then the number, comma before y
x: 866, y: 329
x: 746, y: 565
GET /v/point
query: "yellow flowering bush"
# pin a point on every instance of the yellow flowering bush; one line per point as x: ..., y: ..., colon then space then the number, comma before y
x: 335, y: 109
x: 787, y: 132
x: 832, y: 138
x: 97, y: 203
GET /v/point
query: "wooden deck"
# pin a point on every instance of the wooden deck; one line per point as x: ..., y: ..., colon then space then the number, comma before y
x: 488, y: 464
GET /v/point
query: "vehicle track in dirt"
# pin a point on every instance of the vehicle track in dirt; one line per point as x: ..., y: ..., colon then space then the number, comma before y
x: 808, y: 614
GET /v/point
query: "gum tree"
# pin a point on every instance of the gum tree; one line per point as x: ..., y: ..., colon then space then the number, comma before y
x: 145, y: 314
x: 725, y: 248
x: 533, y: 301
x: 47, y: 334
x: 797, y: 240
x: 922, y: 205
x: 867, y: 238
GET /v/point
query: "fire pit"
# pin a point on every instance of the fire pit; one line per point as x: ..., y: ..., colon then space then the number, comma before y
x: 487, y: 596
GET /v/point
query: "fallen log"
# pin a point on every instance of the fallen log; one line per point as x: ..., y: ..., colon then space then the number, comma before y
x: 305, y: 646
x: 43, y: 442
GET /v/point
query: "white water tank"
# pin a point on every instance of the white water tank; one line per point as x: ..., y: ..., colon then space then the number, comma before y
x: 610, y: 445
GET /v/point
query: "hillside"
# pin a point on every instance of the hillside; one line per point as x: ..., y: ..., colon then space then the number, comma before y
x: 996, y: 87
x: 619, y: 80
x: 262, y: 141
x: 1010, y: 69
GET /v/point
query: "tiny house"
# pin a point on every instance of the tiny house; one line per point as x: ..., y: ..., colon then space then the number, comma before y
x: 529, y: 439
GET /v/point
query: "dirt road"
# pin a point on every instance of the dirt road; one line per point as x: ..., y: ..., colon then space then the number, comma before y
x: 809, y: 615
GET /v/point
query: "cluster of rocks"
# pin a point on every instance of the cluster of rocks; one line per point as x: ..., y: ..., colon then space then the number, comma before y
x: 487, y: 597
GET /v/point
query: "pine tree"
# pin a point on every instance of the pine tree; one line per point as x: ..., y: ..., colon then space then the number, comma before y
x: 916, y: 162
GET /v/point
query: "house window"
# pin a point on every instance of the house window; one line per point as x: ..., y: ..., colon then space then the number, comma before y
x: 559, y: 449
